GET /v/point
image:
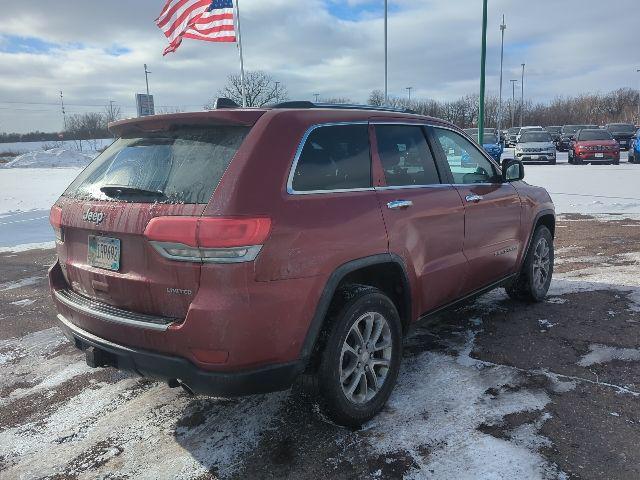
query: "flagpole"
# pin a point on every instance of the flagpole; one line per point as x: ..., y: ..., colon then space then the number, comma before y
x: 242, y: 86
x: 386, y: 52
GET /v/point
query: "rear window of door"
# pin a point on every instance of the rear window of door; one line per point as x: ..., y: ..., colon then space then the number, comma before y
x: 467, y: 164
x: 405, y: 156
x: 334, y: 157
x: 179, y: 166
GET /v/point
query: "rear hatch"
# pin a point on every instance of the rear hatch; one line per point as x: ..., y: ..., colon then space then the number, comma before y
x: 103, y: 253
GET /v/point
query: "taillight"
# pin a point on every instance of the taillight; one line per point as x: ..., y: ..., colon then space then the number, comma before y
x: 55, y: 219
x: 208, y: 239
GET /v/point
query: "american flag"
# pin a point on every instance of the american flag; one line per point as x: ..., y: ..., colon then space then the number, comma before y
x: 208, y: 20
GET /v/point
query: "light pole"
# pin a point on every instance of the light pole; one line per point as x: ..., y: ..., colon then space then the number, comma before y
x: 638, y: 71
x: 513, y: 100
x: 522, y: 96
x: 277, y: 84
x: 503, y: 27
x: 409, y: 90
x: 483, y: 63
x: 146, y: 77
x: 386, y: 52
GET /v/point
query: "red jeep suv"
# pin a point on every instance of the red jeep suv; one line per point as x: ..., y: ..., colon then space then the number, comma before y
x: 235, y: 251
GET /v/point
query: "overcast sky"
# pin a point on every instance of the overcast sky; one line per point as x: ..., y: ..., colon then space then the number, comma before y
x: 95, y: 50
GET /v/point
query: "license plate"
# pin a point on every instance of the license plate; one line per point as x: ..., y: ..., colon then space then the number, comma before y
x: 104, y: 252
x: 534, y: 157
x: 599, y: 155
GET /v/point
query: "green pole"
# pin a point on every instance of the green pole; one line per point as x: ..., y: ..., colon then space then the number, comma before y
x: 483, y: 62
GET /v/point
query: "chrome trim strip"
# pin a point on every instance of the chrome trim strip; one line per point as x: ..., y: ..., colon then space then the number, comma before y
x: 108, y: 313
x: 294, y: 165
x: 89, y: 336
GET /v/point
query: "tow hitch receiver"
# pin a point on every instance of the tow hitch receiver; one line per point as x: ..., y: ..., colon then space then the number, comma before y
x: 97, y: 358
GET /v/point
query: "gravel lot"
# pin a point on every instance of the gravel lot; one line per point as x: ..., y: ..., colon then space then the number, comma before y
x: 494, y: 389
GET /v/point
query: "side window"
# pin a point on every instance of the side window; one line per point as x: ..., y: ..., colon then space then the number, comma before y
x: 405, y: 156
x: 468, y: 165
x: 334, y: 157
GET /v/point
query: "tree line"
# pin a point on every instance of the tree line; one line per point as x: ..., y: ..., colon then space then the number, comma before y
x: 618, y: 106
x: 262, y: 89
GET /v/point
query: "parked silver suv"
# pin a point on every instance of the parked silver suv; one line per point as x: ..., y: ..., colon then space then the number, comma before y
x: 536, y: 146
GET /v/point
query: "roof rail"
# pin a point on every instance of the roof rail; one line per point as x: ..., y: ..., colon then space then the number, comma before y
x: 341, y: 106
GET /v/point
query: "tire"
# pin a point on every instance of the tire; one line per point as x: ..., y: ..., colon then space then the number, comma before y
x: 358, y: 308
x: 552, y: 162
x: 532, y: 284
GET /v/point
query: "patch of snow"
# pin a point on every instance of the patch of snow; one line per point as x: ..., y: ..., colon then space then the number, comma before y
x: 546, y: 324
x: 604, y: 354
x: 23, y: 303
x: 451, y: 393
x: 556, y: 300
x: 54, y: 158
x: 25, y: 247
x: 24, y: 190
x: 25, y: 282
x: 24, y: 147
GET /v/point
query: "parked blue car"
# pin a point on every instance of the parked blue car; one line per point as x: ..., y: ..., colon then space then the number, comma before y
x: 490, y: 143
x: 492, y: 146
x: 634, y: 149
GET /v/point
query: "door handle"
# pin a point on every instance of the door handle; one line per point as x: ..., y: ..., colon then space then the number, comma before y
x: 473, y: 198
x: 399, y: 204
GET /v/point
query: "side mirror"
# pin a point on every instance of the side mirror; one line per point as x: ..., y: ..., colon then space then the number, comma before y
x: 512, y: 170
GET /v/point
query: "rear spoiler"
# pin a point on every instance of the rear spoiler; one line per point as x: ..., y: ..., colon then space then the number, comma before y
x: 160, y: 123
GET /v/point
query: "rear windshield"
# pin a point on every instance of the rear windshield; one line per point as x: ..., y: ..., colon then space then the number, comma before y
x: 535, y: 136
x: 553, y: 129
x: 571, y: 129
x: 180, y: 166
x: 490, y: 138
x: 594, y: 135
x: 621, y: 128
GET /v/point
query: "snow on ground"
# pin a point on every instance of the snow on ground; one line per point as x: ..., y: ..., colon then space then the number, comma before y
x: 26, y: 195
x: 605, y: 354
x: 54, y: 158
x: 24, y: 147
x: 588, y: 189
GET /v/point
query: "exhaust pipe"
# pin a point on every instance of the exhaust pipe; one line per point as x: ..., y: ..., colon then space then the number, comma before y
x: 175, y: 383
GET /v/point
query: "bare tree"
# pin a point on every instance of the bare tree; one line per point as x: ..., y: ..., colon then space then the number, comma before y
x: 376, y: 98
x: 88, y: 127
x: 112, y: 113
x: 260, y: 90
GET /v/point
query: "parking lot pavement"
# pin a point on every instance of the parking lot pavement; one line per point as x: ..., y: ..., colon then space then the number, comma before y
x: 493, y: 389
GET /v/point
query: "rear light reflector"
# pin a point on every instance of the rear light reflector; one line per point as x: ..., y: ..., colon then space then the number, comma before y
x: 55, y: 219
x: 208, y: 239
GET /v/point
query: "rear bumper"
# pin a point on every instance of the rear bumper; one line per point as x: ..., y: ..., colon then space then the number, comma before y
x: 165, y: 367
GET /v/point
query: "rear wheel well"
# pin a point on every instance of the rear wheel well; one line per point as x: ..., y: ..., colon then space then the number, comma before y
x: 388, y: 277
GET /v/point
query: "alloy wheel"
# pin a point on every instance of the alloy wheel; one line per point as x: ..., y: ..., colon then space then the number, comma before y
x: 365, y: 357
x: 541, y: 264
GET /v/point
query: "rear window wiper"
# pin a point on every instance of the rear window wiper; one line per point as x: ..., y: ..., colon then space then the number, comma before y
x: 115, y: 191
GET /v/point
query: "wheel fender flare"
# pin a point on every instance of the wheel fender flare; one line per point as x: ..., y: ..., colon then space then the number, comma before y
x: 324, y: 302
x: 536, y: 219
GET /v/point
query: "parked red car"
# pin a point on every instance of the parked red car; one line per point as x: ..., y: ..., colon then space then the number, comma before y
x: 594, y: 146
x: 237, y: 250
